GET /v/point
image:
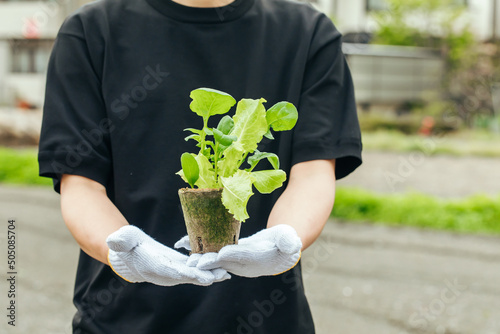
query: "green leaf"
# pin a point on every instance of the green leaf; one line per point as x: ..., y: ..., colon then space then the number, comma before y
x: 282, y: 116
x: 226, y: 124
x: 229, y: 164
x: 250, y: 123
x: 258, y: 156
x: 181, y: 174
x: 208, y: 131
x: 207, y: 174
x: 194, y: 137
x: 236, y: 193
x: 190, y: 168
x: 267, y: 181
x: 208, y: 102
x: 195, y: 131
x: 223, y: 139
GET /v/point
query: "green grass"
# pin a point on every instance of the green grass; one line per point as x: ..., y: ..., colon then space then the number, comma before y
x: 20, y: 167
x: 460, y: 144
x: 475, y: 214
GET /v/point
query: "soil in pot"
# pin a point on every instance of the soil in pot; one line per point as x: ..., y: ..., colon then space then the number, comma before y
x: 209, y: 225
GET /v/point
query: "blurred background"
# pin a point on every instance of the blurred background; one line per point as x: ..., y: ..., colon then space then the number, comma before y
x: 413, y: 245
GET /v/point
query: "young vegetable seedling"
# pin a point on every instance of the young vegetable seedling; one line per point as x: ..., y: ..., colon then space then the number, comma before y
x: 216, y: 204
x: 223, y: 150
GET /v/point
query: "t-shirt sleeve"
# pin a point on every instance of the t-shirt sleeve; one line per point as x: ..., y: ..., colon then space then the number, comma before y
x: 328, y: 126
x: 75, y: 130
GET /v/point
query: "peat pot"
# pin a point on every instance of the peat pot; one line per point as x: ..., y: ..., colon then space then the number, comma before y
x: 209, y: 225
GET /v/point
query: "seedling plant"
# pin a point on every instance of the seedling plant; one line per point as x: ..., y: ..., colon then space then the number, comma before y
x: 228, y: 153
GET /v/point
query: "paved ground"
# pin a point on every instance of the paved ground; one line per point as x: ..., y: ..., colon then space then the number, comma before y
x: 359, y: 278
x: 381, y: 280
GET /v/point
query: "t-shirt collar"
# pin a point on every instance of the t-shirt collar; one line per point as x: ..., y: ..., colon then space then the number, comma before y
x: 202, y: 15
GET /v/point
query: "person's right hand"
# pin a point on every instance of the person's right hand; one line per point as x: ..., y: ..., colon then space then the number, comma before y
x: 136, y: 257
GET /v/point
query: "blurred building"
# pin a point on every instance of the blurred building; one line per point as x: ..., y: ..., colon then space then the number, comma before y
x: 28, y: 29
x: 353, y: 16
x: 396, y: 77
x: 27, y: 33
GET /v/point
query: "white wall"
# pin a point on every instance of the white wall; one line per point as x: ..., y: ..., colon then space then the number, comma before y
x: 29, y: 87
x: 482, y: 17
x: 351, y: 16
x: 327, y: 6
x: 47, y: 16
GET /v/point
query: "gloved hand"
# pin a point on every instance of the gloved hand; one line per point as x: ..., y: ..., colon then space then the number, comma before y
x: 136, y: 257
x: 269, y: 252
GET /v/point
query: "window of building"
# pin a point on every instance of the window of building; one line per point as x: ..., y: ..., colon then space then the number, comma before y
x: 30, y: 55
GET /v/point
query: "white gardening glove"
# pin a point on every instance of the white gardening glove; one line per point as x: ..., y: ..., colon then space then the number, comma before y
x: 269, y: 252
x: 136, y: 257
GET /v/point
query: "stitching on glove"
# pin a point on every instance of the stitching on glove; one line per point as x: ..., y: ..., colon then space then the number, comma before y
x: 111, y: 266
x: 300, y: 255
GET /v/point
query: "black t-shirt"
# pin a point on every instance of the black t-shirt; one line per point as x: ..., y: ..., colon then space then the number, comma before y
x: 117, y: 102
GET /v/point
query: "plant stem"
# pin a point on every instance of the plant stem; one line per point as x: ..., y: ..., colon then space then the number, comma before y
x: 216, y: 160
x: 203, y: 135
x: 251, y: 168
x: 243, y: 160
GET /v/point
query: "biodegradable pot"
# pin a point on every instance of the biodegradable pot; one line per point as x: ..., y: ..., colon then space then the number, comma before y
x: 209, y: 225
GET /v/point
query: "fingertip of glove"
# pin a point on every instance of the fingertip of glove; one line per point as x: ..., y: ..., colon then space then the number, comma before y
x: 288, y: 241
x: 207, y: 261
x: 125, y: 238
x: 183, y: 243
x: 193, y: 260
x: 221, y: 275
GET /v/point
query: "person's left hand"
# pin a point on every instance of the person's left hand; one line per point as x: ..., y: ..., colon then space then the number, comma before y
x: 269, y: 252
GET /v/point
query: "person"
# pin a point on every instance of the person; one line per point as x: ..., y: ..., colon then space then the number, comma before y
x: 117, y: 101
